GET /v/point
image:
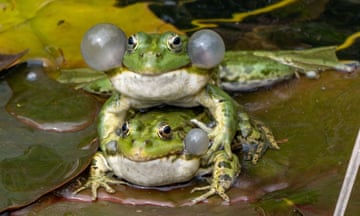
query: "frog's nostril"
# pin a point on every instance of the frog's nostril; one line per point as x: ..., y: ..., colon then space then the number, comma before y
x: 157, y: 55
x: 141, y: 55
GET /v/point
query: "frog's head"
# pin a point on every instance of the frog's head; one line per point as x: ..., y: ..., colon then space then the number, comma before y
x: 159, y: 53
x: 156, y: 53
x: 155, y: 134
x: 104, y: 47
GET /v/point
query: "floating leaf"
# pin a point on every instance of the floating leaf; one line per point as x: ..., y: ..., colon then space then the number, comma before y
x: 54, y: 29
x: 319, y: 119
x: 48, y: 105
x: 34, y: 162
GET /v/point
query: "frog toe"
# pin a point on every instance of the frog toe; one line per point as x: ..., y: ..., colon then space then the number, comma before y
x: 200, y: 188
x: 80, y: 189
x: 211, y: 191
x: 274, y: 145
x: 89, y: 184
x: 202, y: 125
x: 107, y: 188
x: 203, y: 196
x: 97, y: 183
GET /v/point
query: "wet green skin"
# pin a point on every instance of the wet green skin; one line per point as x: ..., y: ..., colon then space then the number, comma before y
x: 148, y: 154
x: 156, y: 70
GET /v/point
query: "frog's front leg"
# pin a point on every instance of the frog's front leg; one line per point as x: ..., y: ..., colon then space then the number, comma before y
x: 224, y: 110
x: 225, y: 172
x: 98, y: 176
x: 111, y: 118
x: 254, y: 137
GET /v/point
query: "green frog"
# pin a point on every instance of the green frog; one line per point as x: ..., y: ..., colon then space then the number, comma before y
x: 154, y: 149
x: 157, y: 69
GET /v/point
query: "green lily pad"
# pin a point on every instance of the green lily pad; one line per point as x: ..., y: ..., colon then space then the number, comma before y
x: 33, y: 161
x: 107, y: 208
x: 319, y: 120
x: 43, y: 103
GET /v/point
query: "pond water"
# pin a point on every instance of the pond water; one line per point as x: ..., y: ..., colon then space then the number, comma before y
x: 316, y: 121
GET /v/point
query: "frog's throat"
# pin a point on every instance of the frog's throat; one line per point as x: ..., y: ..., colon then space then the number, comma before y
x: 157, y: 172
x: 169, y: 86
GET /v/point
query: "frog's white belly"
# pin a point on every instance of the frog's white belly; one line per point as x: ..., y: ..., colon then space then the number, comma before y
x: 158, y: 172
x: 165, y: 88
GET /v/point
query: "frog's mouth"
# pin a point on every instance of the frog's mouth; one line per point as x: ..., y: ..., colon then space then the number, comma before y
x: 142, y: 155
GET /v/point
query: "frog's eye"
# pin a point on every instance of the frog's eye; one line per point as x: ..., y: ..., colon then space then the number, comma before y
x: 175, y: 43
x: 124, y: 131
x: 164, y: 131
x: 132, y: 43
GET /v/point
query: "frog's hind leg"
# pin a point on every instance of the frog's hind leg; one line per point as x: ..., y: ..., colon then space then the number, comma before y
x: 255, y: 137
x: 225, y: 172
x: 267, y: 141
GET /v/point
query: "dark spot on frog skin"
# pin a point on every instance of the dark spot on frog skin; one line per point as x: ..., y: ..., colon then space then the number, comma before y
x: 225, y: 177
x: 224, y: 164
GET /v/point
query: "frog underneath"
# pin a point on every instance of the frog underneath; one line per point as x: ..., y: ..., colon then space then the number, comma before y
x: 151, y: 151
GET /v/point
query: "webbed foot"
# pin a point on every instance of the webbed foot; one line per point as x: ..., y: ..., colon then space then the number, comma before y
x: 95, y: 182
x: 211, y: 191
x: 98, y: 177
x: 225, y: 172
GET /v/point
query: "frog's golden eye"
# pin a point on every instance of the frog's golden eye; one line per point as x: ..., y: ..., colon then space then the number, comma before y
x: 175, y: 43
x: 132, y: 43
x: 164, y: 131
x: 124, y: 131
